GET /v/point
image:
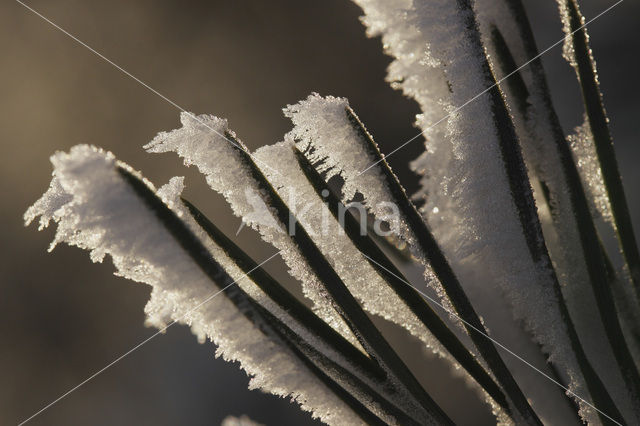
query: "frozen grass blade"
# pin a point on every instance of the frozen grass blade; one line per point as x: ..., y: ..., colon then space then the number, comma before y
x: 567, y: 211
x: 325, y: 125
x: 584, y: 64
x: 288, y: 302
x: 579, y: 54
x: 102, y: 205
x: 531, y: 225
x: 445, y: 274
x: 330, y: 373
x: 267, y: 322
x: 225, y: 163
x: 394, y: 278
x: 359, y: 365
x: 344, y: 303
x: 227, y: 172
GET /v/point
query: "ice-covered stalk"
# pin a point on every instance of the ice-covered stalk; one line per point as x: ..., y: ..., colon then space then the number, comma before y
x: 357, y: 362
x: 440, y: 62
x: 341, y: 382
x: 348, y: 149
x: 579, y: 54
x: 197, y: 144
x: 102, y: 205
x: 360, y: 324
x: 285, y: 300
x: 551, y: 161
x: 538, y: 250
x: 396, y: 280
x: 447, y: 277
x: 580, y: 209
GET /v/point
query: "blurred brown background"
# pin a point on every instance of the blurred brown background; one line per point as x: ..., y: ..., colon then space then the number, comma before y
x: 63, y: 318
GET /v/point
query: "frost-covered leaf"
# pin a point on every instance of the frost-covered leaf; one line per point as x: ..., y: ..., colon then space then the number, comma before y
x: 97, y: 208
x: 224, y: 165
x: 333, y: 138
x: 569, y: 230
x: 227, y: 172
x: 467, y: 171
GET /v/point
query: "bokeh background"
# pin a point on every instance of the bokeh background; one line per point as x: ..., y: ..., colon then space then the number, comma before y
x: 61, y: 317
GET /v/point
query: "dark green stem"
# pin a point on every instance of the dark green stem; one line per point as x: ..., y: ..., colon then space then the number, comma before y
x: 342, y: 300
x: 523, y: 198
x: 396, y: 281
x: 593, y: 254
x: 448, y: 279
x: 599, y: 123
x: 323, y: 368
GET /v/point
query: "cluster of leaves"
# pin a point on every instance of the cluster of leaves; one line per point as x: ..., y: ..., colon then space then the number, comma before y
x: 351, y: 372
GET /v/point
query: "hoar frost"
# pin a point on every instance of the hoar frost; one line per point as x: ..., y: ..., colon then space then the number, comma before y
x: 549, y: 160
x: 584, y: 150
x: 227, y: 172
x: 323, y: 132
x: 445, y: 53
x: 225, y: 167
x: 463, y: 169
x: 326, y: 131
x: 95, y: 209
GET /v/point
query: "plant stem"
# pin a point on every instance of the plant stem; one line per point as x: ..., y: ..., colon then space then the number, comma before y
x: 523, y: 198
x: 343, y: 301
x: 396, y: 281
x: 323, y: 368
x: 445, y: 274
x: 594, y: 255
x: 599, y: 123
